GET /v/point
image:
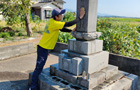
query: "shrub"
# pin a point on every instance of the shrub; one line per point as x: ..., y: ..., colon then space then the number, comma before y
x: 69, y: 16
x: 0, y: 35
x: 138, y: 29
x: 5, y: 35
x: 11, y: 33
x: 20, y: 34
x: 64, y: 37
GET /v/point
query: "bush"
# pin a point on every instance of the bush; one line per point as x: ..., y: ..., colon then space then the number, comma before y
x: 120, y: 39
x: 11, y: 33
x: 20, y: 34
x: 0, y: 35
x: 69, y: 16
x: 64, y: 37
x: 138, y: 29
x: 5, y: 35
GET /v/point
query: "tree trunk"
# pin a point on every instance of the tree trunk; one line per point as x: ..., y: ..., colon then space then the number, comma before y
x: 28, y: 26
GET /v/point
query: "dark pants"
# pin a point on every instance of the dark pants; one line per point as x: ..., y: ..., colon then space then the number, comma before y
x: 42, y: 55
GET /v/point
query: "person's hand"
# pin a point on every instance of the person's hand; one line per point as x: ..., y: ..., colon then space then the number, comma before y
x: 74, y: 29
x: 82, y: 13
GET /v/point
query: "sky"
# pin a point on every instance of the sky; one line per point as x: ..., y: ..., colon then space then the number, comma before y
x: 129, y: 8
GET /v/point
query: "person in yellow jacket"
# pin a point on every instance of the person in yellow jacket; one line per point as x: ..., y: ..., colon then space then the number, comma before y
x: 49, y: 40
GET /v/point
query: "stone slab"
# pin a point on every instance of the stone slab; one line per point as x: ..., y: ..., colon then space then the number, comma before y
x: 88, y: 23
x: 46, y: 84
x: 94, y: 80
x: 54, y: 70
x: 71, y: 65
x: 96, y: 62
x: 61, y: 56
x: 121, y: 81
x: 91, y: 63
x: 67, y: 64
x: 97, y: 78
x: 134, y: 79
x: 77, y: 66
x: 85, y: 47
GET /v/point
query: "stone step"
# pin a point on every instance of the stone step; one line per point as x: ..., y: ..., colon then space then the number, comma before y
x: 48, y: 82
x: 90, y: 81
x: 121, y: 81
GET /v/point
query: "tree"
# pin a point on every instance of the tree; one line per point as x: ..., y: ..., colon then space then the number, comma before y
x: 17, y: 11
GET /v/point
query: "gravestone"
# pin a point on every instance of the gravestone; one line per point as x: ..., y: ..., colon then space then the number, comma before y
x: 84, y: 65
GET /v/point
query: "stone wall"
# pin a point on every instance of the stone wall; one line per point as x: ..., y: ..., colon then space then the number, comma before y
x: 16, y: 50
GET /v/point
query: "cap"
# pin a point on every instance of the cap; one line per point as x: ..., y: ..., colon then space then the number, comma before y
x: 57, y: 11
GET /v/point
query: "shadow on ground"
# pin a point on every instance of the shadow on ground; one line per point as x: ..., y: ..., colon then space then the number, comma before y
x: 14, y: 85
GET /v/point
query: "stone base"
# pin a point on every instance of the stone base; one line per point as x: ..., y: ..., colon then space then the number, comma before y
x: 91, y: 80
x: 89, y: 64
x: 120, y: 81
x: 85, y: 47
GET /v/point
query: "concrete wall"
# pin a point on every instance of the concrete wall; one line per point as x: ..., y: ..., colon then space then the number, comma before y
x: 126, y: 64
x: 16, y: 50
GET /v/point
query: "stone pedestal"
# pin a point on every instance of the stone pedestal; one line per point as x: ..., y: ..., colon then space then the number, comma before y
x: 84, y: 65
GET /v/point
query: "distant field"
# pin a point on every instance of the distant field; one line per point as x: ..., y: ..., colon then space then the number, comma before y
x: 133, y: 21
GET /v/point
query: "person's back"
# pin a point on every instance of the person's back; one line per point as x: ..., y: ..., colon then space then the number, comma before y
x: 49, y: 40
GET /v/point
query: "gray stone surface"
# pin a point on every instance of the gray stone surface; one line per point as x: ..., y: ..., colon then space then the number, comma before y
x: 71, y: 65
x: 85, y: 47
x: 94, y: 80
x: 110, y: 71
x: 96, y: 62
x: 67, y: 64
x: 92, y: 63
x: 77, y: 66
x: 135, y: 80
x: 122, y: 84
x: 64, y: 75
x: 88, y: 23
x: 61, y: 56
x: 86, y: 36
x: 16, y: 50
x: 97, y: 79
x: 108, y: 84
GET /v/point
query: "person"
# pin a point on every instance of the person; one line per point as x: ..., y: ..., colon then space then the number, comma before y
x: 49, y: 40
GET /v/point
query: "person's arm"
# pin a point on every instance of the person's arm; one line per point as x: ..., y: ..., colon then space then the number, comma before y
x: 67, y: 24
x: 82, y: 13
x: 65, y: 30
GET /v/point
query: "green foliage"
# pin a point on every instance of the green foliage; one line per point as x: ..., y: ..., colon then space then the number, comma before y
x: 64, y: 37
x: 20, y: 34
x: 120, y: 38
x: 11, y: 33
x: 69, y: 16
x: 138, y: 29
x: 0, y: 35
x: 15, y: 11
x: 5, y: 35
x: 37, y: 21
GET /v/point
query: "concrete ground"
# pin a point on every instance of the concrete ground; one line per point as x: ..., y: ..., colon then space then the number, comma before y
x: 14, y: 72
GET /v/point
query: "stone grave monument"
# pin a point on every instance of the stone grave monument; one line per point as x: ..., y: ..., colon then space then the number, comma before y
x: 84, y: 65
